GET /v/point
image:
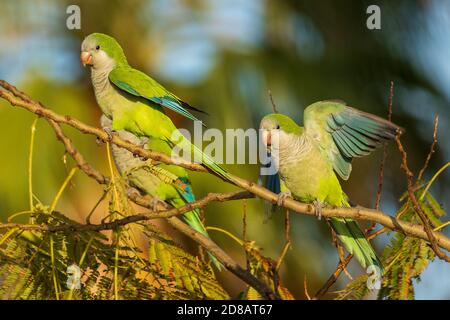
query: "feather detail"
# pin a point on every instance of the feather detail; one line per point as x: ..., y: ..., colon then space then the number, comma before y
x: 141, y: 85
x: 353, y: 133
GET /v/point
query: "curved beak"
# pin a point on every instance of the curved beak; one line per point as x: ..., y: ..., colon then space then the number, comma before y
x: 86, y: 58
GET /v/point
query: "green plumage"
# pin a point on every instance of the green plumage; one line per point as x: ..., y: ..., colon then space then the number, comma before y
x: 169, y: 183
x: 308, y: 159
x: 134, y: 103
x: 141, y: 85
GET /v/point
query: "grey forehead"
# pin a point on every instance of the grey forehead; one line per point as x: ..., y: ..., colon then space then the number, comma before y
x: 87, y: 44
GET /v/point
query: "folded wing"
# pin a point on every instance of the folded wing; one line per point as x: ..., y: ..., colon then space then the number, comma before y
x: 141, y: 85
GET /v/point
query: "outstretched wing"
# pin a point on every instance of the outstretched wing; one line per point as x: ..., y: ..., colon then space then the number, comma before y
x: 141, y: 85
x: 344, y: 133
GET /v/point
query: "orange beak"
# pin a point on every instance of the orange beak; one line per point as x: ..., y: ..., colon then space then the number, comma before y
x: 86, y: 58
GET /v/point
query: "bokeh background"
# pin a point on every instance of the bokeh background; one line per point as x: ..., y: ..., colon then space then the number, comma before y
x: 224, y: 56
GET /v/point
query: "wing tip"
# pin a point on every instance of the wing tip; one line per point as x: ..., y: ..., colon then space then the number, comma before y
x: 188, y: 106
x: 389, y: 127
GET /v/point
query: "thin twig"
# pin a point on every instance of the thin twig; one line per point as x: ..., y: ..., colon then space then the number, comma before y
x: 332, y: 279
x: 287, y: 245
x: 305, y: 287
x: 224, y: 258
x: 359, y: 213
x: 287, y: 226
x: 282, y: 255
x: 435, y: 176
x: 244, y: 231
x: 432, y: 149
x: 30, y: 164
x: 274, y: 106
x: 383, y: 160
x: 377, y: 233
x: 417, y: 208
x: 77, y: 156
x: 164, y: 213
x: 244, y: 220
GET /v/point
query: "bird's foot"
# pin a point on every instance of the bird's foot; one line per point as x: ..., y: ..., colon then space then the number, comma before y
x: 141, y: 145
x: 110, y: 133
x: 318, y: 208
x: 135, y: 155
x: 155, y: 202
x: 282, y: 197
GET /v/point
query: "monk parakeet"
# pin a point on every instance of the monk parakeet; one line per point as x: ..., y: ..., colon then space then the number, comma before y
x: 134, y: 101
x: 310, y: 158
x: 169, y: 183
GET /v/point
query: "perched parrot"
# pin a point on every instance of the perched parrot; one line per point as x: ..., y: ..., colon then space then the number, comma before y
x: 134, y: 101
x: 169, y: 183
x: 308, y: 160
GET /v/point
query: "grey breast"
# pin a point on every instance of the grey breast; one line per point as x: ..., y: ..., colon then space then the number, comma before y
x: 124, y: 159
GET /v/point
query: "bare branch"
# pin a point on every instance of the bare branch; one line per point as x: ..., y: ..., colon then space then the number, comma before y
x: 332, y: 279
x: 274, y: 106
x: 224, y: 258
x: 305, y: 287
x: 18, y: 98
x: 383, y: 160
x: 77, y: 156
x: 358, y: 213
x: 432, y: 149
x: 39, y: 109
x: 431, y: 236
x: 163, y: 213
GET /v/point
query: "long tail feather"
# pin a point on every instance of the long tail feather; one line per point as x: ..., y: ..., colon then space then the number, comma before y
x: 206, y: 160
x: 350, y: 234
x: 192, y: 218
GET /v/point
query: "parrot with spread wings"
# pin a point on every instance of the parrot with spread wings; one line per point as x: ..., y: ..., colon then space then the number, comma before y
x: 309, y: 160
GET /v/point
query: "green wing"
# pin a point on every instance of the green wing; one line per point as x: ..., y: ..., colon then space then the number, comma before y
x: 344, y: 133
x: 141, y: 85
x: 177, y: 177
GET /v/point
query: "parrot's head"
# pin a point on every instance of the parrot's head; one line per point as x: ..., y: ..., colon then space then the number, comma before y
x: 101, y: 52
x: 277, y: 130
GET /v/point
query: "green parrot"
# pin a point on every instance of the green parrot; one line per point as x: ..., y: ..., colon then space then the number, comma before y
x: 134, y: 101
x: 308, y: 160
x: 134, y: 105
x: 165, y: 183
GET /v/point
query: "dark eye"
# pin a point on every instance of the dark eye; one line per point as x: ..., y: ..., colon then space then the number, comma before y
x: 97, y: 48
x: 278, y: 127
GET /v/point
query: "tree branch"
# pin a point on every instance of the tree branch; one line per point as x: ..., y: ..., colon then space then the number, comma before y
x: 432, y: 149
x: 18, y: 98
x: 162, y: 213
x: 431, y: 236
x: 224, y: 258
x: 358, y: 213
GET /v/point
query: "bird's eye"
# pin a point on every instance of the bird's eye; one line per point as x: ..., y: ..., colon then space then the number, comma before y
x: 278, y: 127
x: 97, y: 48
